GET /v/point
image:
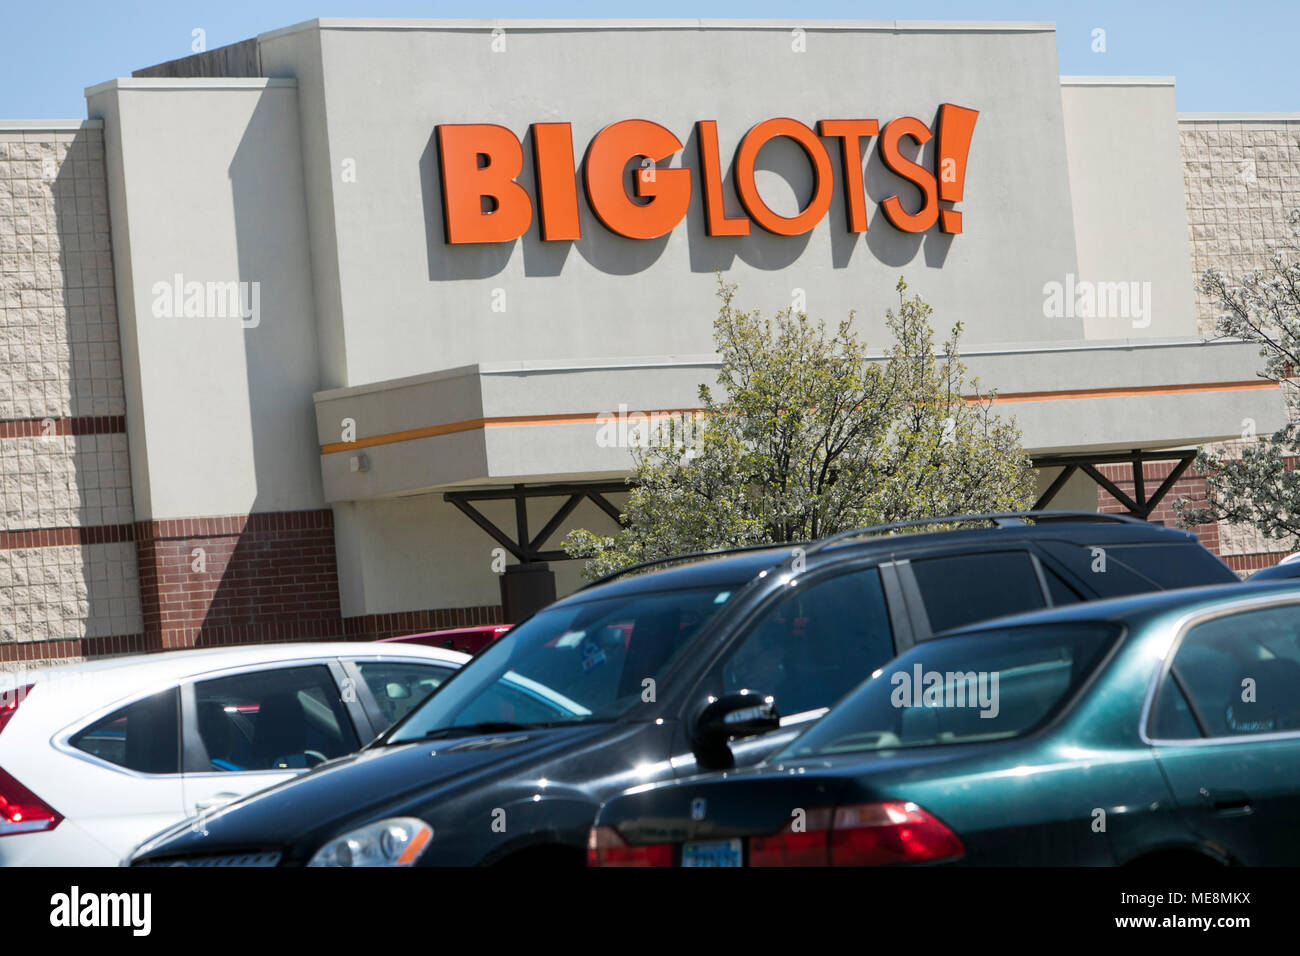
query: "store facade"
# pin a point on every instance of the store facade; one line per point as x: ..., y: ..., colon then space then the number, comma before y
x: 338, y: 327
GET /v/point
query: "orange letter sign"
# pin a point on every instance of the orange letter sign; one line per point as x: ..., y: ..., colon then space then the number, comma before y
x: 926, y: 216
x: 668, y: 190
x: 557, y: 183
x: 850, y: 133
x: 715, y: 214
x: 466, y: 183
x: 823, y: 177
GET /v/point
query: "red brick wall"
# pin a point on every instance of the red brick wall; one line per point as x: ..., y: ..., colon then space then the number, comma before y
x: 265, y: 577
x: 1191, y: 485
x: 239, y: 579
x: 371, y: 627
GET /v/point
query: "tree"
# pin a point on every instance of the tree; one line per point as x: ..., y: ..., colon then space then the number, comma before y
x: 811, y: 436
x: 1255, y: 484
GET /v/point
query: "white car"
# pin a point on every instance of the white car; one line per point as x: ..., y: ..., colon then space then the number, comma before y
x: 96, y: 757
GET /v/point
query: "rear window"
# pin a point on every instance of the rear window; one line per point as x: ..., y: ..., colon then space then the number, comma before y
x: 143, y: 736
x: 1173, y: 566
x: 1116, y: 570
x: 965, y: 689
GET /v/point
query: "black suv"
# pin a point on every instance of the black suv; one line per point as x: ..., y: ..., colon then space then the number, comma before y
x: 650, y: 676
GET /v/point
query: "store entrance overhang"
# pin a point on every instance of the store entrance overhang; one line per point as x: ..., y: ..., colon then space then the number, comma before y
x: 486, y: 426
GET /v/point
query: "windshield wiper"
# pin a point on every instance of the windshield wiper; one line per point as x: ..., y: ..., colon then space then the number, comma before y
x: 465, y: 730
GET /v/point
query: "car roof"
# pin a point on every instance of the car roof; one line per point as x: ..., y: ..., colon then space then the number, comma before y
x: 1136, y: 608
x: 726, y: 570
x: 155, y: 668
x: 1283, y: 569
x: 738, y: 567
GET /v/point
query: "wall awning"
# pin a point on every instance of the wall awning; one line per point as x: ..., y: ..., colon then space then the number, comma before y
x: 504, y: 424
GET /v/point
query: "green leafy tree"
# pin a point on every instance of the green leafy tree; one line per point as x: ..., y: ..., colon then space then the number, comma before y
x: 809, y: 436
x: 1254, y: 484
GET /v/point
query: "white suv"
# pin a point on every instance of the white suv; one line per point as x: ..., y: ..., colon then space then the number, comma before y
x: 96, y: 757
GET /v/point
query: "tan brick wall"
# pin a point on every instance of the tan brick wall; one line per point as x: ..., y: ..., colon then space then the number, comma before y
x: 1242, y: 178
x: 63, y: 451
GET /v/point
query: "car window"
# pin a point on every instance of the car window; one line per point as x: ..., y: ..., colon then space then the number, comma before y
x: 143, y: 736
x: 281, y: 719
x: 1061, y: 593
x: 1172, y: 719
x: 1173, y: 566
x: 400, y: 687
x: 815, y: 644
x: 1099, y: 568
x: 963, y: 588
x: 987, y: 686
x: 1239, y: 674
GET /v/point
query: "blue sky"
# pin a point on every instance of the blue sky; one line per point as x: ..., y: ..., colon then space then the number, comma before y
x: 1225, y: 58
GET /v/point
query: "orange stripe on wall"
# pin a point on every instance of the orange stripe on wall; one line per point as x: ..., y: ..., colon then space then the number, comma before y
x: 592, y: 418
x: 431, y: 431
x: 1133, y: 392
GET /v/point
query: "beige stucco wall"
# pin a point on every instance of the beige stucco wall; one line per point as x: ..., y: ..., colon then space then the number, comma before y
x: 205, y: 180
x: 415, y: 552
x: 1122, y: 143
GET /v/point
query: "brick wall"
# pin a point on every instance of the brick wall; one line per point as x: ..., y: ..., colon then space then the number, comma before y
x: 1190, y: 486
x: 239, y: 579
x: 1241, y: 178
x: 372, y: 627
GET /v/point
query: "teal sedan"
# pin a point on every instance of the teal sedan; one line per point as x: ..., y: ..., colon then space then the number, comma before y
x: 1163, y: 729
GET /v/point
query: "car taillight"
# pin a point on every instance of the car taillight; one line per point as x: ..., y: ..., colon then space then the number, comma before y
x: 605, y: 847
x: 9, y: 701
x: 802, y: 843
x: 862, y: 834
x: 22, y: 811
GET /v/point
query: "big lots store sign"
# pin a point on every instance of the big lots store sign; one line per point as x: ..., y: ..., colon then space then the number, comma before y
x: 483, y: 200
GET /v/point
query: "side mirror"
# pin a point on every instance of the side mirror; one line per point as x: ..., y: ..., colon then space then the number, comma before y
x: 744, y: 714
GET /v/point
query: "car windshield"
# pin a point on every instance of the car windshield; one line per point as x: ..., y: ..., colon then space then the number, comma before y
x: 584, y: 662
x: 990, y: 686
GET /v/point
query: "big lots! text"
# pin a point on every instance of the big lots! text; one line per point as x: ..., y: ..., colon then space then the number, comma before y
x: 484, y: 201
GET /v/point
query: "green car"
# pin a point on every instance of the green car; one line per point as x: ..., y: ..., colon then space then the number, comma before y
x: 1158, y: 729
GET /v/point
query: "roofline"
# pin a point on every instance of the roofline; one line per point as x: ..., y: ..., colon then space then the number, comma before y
x: 1238, y: 117
x: 204, y: 83
x: 596, y: 25
x: 1117, y: 81
x: 49, y: 126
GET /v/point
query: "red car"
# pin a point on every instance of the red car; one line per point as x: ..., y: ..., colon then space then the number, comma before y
x: 471, y: 640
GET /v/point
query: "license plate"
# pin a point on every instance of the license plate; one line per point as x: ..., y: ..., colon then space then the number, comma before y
x: 712, y: 853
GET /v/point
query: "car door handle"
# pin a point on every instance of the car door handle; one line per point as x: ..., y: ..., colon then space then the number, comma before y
x: 218, y: 800
x: 1228, y: 802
